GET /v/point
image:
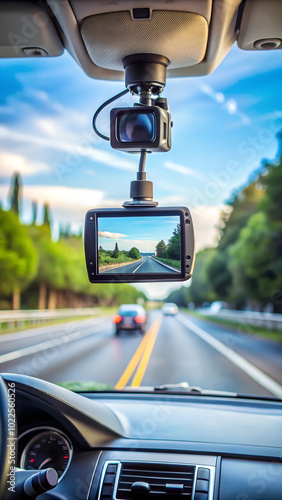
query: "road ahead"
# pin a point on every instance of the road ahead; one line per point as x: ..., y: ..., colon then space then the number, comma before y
x: 174, y: 349
x: 143, y: 266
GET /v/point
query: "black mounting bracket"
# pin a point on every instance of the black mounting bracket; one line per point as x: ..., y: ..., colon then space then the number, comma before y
x: 146, y: 71
x: 141, y: 190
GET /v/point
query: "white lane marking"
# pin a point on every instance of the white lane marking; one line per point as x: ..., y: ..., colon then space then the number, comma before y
x: 140, y: 265
x: 162, y: 264
x: 65, y: 339
x: 255, y: 373
x: 40, y: 330
x: 119, y: 267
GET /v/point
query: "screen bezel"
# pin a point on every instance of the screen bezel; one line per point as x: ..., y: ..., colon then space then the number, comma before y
x: 91, y: 245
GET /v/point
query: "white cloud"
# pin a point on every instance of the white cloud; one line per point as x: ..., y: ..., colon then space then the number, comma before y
x: 206, y: 221
x: 112, y: 236
x: 146, y: 246
x: 66, y: 198
x: 230, y: 105
x: 41, y: 94
x: 67, y: 204
x: 219, y: 97
x: 12, y: 162
x: 181, y: 169
x: 76, y: 149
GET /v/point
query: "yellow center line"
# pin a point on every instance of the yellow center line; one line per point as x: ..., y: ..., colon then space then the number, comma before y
x: 134, y: 361
x: 146, y: 355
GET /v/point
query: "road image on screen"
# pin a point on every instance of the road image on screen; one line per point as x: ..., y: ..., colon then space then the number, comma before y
x: 139, y: 245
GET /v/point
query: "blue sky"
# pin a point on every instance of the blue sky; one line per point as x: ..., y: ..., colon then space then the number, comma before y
x: 135, y: 232
x: 224, y: 124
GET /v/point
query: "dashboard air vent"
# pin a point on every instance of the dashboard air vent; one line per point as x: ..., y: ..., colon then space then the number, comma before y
x: 154, y: 480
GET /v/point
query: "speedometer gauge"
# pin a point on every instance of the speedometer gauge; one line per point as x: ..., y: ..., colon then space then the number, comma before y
x: 47, y: 449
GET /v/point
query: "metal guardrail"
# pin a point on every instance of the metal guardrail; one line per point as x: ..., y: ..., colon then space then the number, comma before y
x: 22, y: 317
x: 270, y: 321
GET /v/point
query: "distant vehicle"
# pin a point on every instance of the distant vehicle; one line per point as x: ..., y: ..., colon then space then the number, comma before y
x: 217, y: 306
x: 130, y: 317
x: 170, y: 309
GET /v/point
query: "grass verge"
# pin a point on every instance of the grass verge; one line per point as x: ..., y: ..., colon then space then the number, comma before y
x: 170, y: 262
x: 86, y: 386
x: 241, y: 327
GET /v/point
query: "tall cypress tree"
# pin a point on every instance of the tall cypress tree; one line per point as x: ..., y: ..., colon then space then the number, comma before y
x: 46, y: 215
x: 15, y: 193
x: 34, y: 211
x: 116, y: 251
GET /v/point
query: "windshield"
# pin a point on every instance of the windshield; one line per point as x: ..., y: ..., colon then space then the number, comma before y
x: 222, y: 330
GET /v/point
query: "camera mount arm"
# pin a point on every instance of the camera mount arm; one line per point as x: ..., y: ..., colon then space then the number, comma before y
x: 141, y: 190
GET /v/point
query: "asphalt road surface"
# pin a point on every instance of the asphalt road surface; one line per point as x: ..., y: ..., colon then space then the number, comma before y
x: 144, y: 266
x: 174, y: 349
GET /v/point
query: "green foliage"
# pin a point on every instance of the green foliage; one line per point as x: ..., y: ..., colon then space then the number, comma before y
x: 51, y: 258
x: 246, y: 266
x: 116, y: 252
x: 18, y: 258
x: 46, y: 215
x: 200, y: 290
x: 174, y: 245
x: 161, y: 249
x: 86, y: 386
x: 242, y: 206
x: 134, y: 253
x: 107, y: 257
x: 170, y: 262
x: 218, y: 275
x: 33, y: 263
x: 34, y: 212
x: 172, y: 249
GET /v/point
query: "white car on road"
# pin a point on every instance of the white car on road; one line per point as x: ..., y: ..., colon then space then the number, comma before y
x: 170, y: 309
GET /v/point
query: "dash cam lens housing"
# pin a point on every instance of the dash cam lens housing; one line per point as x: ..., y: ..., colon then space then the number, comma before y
x: 140, y: 128
x: 135, y: 127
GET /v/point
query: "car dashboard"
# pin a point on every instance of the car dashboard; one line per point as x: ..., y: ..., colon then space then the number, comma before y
x: 151, y: 446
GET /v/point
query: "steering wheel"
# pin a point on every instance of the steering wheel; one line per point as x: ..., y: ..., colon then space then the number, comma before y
x: 4, y: 434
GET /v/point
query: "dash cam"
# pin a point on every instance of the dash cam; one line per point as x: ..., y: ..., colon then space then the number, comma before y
x: 142, y: 127
x: 141, y: 244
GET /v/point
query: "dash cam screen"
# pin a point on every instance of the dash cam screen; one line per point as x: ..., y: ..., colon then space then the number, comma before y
x: 139, y: 245
x: 133, y: 126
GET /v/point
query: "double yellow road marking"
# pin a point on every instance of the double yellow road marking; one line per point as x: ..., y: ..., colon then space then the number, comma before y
x: 141, y: 356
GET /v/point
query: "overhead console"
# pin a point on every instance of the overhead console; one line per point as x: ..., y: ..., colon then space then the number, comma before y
x: 194, y: 35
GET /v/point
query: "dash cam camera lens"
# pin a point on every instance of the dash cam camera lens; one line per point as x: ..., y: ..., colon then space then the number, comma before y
x: 136, y: 126
x: 140, y: 128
